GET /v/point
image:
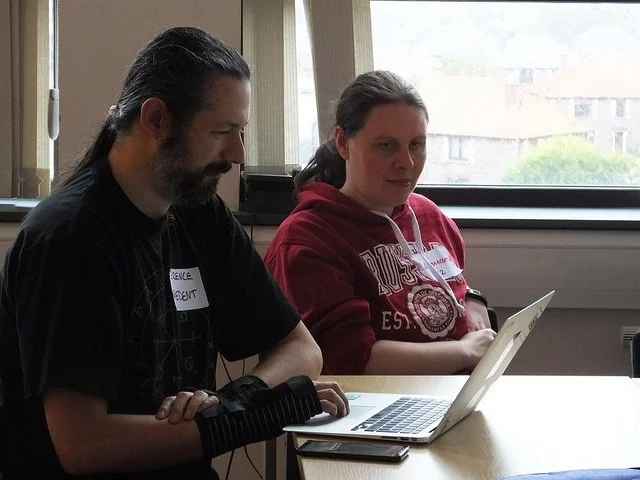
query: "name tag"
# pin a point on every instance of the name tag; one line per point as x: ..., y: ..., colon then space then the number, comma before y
x: 188, y: 289
x: 441, y: 260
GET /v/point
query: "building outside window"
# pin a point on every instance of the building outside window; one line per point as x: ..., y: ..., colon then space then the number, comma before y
x: 621, y: 107
x: 583, y: 108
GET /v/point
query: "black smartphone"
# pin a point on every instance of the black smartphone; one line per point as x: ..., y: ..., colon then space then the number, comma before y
x: 383, y: 452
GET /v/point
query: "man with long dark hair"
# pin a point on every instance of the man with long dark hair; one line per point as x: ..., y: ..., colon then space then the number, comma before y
x: 123, y: 286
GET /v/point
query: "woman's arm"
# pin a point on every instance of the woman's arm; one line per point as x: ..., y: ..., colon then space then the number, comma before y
x: 433, y: 358
x: 88, y: 440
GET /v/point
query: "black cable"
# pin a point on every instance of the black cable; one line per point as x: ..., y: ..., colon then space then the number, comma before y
x: 226, y: 477
x: 246, y: 452
x: 226, y: 369
x: 224, y: 364
x: 253, y: 222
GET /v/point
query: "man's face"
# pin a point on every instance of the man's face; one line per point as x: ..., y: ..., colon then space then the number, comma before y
x: 190, y: 162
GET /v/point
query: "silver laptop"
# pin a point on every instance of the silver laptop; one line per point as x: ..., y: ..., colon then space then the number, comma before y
x: 421, y: 418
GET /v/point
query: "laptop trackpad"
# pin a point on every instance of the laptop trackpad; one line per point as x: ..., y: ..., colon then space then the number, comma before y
x: 355, y: 413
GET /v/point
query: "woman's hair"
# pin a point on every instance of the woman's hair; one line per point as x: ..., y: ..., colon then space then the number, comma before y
x: 367, y: 91
x: 178, y: 66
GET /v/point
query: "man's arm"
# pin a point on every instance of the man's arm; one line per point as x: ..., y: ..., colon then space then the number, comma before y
x: 299, y: 354
x: 295, y: 354
x: 88, y: 440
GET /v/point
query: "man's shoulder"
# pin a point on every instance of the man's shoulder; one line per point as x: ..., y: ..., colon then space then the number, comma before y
x: 214, y: 214
x: 71, y: 210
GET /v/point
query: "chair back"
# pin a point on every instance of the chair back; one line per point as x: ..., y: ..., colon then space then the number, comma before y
x: 635, y: 355
x: 493, y: 319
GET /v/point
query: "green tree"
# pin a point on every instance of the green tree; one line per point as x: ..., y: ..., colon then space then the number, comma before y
x: 461, y: 64
x: 572, y: 160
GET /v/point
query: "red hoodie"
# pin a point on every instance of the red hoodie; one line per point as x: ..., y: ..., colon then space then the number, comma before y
x: 344, y: 271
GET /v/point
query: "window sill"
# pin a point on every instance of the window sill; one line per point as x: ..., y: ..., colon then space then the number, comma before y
x: 557, y: 218
x: 15, y: 209
x: 491, y: 217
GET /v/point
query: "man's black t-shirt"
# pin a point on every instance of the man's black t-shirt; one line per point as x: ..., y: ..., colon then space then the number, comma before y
x: 97, y: 297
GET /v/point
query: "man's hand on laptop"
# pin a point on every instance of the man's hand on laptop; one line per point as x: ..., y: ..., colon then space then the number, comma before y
x: 185, y: 405
x: 332, y: 399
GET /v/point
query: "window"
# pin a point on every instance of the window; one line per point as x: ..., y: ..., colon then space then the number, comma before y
x: 590, y: 137
x: 459, y: 148
x: 621, y: 108
x: 308, y: 140
x: 269, y: 45
x: 305, y: 59
x: 620, y: 141
x: 524, y: 83
x: 526, y: 75
x: 507, y: 73
x: 26, y: 151
x: 582, y: 108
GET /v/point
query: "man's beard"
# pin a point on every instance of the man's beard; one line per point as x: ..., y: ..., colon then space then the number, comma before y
x: 178, y: 183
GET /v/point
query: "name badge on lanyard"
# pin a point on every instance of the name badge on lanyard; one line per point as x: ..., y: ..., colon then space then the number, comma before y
x: 187, y: 289
x: 440, y: 259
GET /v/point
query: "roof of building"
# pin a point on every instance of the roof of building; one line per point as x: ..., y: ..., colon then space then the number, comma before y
x: 611, y: 76
x: 532, y: 51
x: 488, y: 107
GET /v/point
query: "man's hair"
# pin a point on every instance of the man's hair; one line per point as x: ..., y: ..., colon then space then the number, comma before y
x: 367, y: 91
x: 178, y: 66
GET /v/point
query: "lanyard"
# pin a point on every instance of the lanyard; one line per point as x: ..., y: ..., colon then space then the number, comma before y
x: 431, y: 271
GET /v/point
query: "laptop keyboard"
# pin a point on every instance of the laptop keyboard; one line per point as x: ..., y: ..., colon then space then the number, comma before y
x: 405, y: 415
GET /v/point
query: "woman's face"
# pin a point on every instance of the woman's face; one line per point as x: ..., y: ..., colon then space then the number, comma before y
x: 385, y: 157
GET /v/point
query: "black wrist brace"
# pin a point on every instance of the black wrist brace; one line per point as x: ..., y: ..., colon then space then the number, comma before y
x: 233, y: 424
x: 241, y: 389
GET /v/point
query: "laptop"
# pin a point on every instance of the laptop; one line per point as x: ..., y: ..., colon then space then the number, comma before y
x: 422, y: 418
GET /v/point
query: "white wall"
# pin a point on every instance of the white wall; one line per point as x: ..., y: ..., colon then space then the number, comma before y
x: 7, y: 234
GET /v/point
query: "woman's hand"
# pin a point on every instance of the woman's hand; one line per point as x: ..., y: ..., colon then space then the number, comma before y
x: 477, y: 315
x: 476, y: 345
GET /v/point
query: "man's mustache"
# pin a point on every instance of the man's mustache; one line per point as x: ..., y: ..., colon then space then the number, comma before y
x: 217, y: 167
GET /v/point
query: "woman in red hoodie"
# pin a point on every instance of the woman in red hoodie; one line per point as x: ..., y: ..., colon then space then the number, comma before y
x: 375, y: 270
